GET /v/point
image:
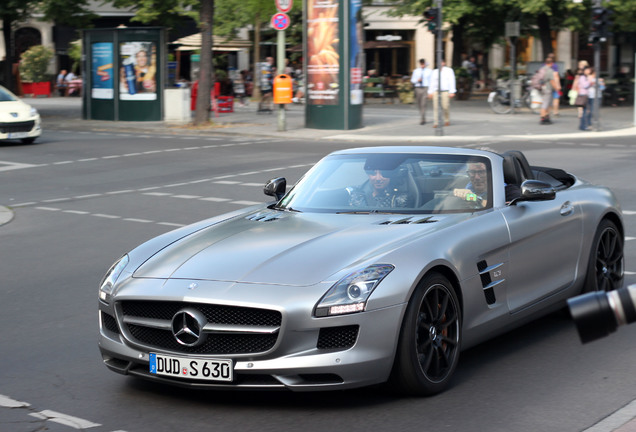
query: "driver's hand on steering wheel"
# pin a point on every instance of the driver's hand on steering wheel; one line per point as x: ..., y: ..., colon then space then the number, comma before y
x: 468, y: 195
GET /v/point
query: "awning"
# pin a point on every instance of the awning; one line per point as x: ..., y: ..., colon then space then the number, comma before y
x: 193, y: 42
x: 386, y: 44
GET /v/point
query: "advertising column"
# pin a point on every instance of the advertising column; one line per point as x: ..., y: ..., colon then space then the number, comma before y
x: 333, y: 101
x: 125, y: 80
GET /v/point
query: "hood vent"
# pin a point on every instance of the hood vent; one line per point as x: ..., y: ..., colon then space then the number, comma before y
x: 409, y: 221
x: 266, y: 216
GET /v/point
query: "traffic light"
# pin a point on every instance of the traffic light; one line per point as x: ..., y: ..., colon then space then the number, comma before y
x: 600, y: 25
x: 431, y: 15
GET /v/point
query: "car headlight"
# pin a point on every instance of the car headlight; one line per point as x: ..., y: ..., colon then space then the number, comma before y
x: 350, y: 294
x: 113, y: 273
x: 34, y: 112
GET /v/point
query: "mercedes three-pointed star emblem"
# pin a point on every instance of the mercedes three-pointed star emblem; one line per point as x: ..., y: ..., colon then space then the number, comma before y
x: 187, y: 327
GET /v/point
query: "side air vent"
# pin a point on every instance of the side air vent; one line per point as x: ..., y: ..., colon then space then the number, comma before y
x: 408, y: 221
x: 487, y: 282
x: 267, y: 216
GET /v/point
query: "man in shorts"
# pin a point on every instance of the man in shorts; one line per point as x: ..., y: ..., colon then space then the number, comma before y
x: 551, y: 84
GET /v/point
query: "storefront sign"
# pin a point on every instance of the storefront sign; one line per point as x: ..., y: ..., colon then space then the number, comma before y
x: 389, y: 38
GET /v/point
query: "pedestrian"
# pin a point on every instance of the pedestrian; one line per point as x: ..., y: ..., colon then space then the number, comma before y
x: 582, y: 98
x: 421, y: 79
x: 61, y: 83
x: 556, y: 94
x: 589, y: 109
x: 580, y: 71
x: 551, y: 83
x: 446, y: 87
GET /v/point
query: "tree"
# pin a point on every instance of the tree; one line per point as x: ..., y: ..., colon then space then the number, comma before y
x: 70, y: 12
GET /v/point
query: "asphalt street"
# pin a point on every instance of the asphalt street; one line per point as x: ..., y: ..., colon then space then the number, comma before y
x: 172, y: 186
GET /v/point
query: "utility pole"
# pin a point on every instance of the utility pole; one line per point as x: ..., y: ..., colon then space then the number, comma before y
x: 440, y: 34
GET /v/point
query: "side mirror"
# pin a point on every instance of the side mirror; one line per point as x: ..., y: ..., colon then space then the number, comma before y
x: 535, y: 190
x: 276, y: 187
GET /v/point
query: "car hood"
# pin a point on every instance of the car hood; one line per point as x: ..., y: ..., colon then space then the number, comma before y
x: 14, y: 111
x: 281, y: 248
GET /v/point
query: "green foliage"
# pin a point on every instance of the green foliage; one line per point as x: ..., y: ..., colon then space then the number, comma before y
x: 35, y: 62
x: 75, y: 53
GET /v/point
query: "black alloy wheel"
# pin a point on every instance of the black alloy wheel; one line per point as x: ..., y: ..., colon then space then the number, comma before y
x: 606, y: 266
x: 429, y: 344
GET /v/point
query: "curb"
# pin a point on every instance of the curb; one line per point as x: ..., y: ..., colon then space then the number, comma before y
x: 5, y: 215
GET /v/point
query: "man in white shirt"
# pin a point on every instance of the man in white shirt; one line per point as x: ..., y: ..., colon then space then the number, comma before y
x: 447, y: 89
x: 421, y: 79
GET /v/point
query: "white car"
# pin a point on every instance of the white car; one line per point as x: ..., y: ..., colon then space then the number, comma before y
x: 18, y: 120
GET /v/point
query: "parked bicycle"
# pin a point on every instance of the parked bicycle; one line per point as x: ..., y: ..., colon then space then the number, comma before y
x: 501, y: 101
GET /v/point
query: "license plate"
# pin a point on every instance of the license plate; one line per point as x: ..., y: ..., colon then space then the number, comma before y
x: 182, y: 367
x: 491, y: 96
x: 15, y: 135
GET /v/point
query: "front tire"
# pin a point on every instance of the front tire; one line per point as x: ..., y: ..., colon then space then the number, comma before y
x: 430, y: 337
x: 606, y: 265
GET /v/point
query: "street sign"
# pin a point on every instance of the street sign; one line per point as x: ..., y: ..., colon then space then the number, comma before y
x: 280, y: 21
x: 284, y: 6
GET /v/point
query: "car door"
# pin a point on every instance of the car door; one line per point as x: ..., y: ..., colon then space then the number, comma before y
x: 545, y: 244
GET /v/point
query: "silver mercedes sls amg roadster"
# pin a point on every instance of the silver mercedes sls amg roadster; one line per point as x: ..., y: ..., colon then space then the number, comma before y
x: 379, y: 265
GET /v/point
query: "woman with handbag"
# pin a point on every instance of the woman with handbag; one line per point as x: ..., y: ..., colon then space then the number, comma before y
x: 582, y: 99
x: 580, y: 71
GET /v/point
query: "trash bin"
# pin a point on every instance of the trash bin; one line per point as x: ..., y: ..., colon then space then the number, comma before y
x: 283, y: 89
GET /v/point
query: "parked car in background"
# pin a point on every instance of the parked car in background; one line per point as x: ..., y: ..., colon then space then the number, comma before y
x: 18, y: 120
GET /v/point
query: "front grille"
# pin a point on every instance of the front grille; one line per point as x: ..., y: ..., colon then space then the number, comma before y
x: 218, y: 314
x: 238, y: 341
x: 337, y: 337
x: 109, y: 322
x: 25, y: 126
x: 214, y: 344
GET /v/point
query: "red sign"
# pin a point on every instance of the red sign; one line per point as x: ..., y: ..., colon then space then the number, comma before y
x: 280, y: 21
x: 284, y: 5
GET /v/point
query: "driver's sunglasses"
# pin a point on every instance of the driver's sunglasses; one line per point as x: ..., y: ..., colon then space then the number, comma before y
x: 383, y: 173
x: 473, y: 173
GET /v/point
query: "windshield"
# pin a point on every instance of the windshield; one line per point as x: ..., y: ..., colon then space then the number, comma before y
x: 6, y: 96
x: 393, y: 183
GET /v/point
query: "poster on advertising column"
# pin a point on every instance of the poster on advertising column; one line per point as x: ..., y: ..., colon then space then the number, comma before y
x: 102, y: 70
x: 323, y: 65
x: 138, y: 69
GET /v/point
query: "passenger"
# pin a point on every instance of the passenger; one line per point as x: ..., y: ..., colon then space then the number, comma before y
x: 381, y: 191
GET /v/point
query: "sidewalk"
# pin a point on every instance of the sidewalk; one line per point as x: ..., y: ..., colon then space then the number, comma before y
x: 471, y: 120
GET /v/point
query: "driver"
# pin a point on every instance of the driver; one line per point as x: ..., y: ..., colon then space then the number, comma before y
x: 381, y: 191
x: 477, y: 188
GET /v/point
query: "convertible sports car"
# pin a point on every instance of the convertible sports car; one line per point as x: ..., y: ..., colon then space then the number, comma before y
x: 379, y: 265
x: 18, y: 120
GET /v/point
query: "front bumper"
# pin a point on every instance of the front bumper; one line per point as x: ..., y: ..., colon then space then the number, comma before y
x: 30, y: 128
x: 299, y: 360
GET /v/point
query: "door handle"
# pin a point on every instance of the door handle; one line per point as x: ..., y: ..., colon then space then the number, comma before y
x: 567, y: 208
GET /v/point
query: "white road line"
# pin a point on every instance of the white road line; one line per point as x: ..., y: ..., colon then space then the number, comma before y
x: 629, y: 238
x: 107, y: 216
x: 87, y: 196
x: 247, y: 203
x: 629, y: 212
x: 48, y: 208
x: 214, y: 199
x: 138, y: 220
x: 227, y: 182
x: 171, y: 224
x: 15, y: 165
x: 157, y: 193
x: 187, y: 196
x: 7, y: 402
x: 64, y: 419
